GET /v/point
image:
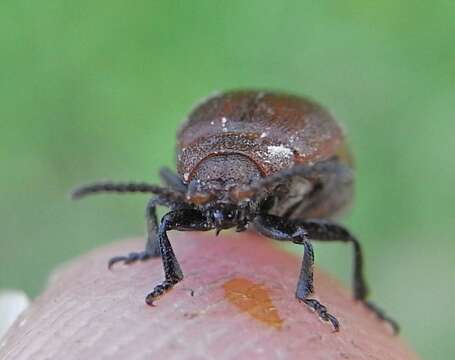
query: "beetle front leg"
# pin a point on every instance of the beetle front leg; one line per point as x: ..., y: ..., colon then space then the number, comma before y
x: 324, y: 230
x: 280, y: 229
x: 182, y: 220
x: 305, y: 284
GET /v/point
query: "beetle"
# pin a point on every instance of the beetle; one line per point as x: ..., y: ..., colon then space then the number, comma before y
x: 274, y: 160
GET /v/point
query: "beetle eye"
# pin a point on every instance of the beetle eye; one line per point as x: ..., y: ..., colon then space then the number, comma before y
x: 238, y: 194
x: 200, y: 198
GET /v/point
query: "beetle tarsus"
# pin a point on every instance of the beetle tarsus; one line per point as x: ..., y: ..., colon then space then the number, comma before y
x: 159, y: 290
x: 321, y: 310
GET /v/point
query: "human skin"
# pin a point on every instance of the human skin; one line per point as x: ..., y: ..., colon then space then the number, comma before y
x: 235, y: 302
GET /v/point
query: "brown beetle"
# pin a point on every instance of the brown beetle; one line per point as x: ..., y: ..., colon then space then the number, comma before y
x: 275, y: 160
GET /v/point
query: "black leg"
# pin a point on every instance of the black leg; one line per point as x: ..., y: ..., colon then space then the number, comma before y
x: 165, y: 197
x: 280, y: 229
x: 329, y: 231
x: 305, y: 285
x: 316, y: 172
x: 182, y: 220
x: 152, y: 245
x: 172, y: 180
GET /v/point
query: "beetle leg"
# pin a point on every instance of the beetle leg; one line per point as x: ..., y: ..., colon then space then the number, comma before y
x: 318, y: 170
x: 152, y: 246
x: 172, y: 180
x: 280, y: 229
x: 329, y: 231
x: 182, y: 220
x: 305, y: 285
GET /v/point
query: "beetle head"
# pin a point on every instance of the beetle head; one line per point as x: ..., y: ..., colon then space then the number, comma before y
x: 222, y: 179
x: 220, y: 204
x: 208, y: 193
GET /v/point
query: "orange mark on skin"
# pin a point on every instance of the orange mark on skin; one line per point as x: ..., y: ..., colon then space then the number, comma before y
x: 253, y: 299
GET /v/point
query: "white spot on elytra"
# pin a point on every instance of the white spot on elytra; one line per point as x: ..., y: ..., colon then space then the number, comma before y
x: 186, y: 176
x: 223, y: 123
x: 279, y: 152
x: 212, y: 122
x: 263, y: 135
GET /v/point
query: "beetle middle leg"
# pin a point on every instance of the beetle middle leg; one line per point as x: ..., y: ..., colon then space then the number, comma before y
x: 182, y: 220
x: 165, y: 196
x: 280, y: 229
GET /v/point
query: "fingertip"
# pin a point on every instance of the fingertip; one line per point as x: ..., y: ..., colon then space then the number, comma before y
x: 237, y: 300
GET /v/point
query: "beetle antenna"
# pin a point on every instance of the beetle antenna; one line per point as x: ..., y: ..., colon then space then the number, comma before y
x: 123, y: 188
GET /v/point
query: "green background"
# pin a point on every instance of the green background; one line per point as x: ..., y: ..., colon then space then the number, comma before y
x: 96, y: 90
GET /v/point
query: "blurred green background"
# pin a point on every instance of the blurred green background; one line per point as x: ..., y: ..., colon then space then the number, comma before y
x: 96, y: 90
